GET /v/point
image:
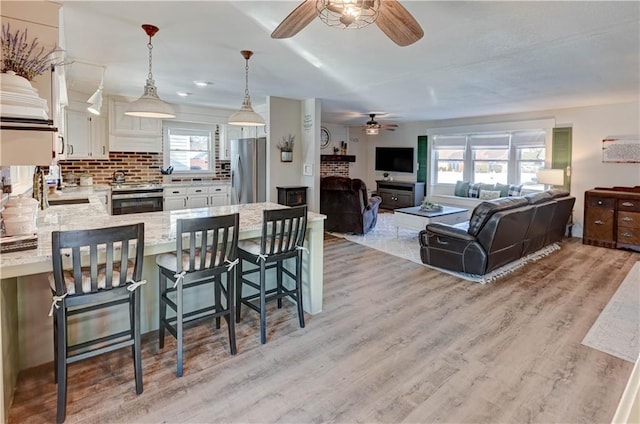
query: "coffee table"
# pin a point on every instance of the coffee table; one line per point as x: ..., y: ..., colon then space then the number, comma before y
x: 415, y: 219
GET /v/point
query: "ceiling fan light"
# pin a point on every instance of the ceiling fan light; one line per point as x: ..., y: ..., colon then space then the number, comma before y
x: 353, y: 14
x: 372, y: 131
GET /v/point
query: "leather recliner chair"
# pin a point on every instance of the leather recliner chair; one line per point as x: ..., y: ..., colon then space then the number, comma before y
x: 348, y: 207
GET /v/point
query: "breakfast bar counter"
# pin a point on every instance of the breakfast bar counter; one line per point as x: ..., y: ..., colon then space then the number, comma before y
x: 25, y: 298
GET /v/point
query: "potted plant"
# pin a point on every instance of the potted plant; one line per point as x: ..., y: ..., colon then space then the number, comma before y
x: 286, y: 148
x: 385, y: 176
x: 26, y: 59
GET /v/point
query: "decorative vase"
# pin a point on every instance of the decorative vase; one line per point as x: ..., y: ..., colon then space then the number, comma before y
x: 286, y: 156
x: 19, y: 99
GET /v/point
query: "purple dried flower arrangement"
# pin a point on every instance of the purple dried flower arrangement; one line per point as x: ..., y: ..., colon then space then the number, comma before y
x: 18, y: 55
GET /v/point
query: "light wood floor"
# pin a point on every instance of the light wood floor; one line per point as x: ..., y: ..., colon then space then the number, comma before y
x: 396, y: 342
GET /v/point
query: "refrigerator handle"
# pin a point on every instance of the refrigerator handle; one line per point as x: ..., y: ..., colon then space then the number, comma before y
x: 240, y: 182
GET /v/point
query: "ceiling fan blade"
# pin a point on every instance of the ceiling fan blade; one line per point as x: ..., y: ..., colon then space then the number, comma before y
x: 398, y: 24
x: 389, y: 126
x: 296, y: 20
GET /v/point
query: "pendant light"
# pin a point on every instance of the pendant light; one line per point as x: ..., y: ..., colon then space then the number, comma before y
x: 246, y: 116
x: 149, y: 105
x: 95, y: 101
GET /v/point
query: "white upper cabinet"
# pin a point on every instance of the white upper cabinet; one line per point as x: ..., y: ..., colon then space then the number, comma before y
x: 86, y: 136
x: 130, y: 133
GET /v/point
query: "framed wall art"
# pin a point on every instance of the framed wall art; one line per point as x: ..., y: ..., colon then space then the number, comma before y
x: 621, y: 149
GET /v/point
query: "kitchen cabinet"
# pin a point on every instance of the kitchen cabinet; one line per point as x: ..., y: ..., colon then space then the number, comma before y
x: 196, y: 196
x: 131, y: 133
x: 86, y: 136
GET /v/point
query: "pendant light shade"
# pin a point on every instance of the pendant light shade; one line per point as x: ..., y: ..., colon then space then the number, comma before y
x: 95, y: 101
x: 246, y: 116
x: 149, y: 105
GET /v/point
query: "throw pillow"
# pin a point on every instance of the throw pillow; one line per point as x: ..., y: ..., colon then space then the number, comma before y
x: 484, y: 186
x: 515, y: 190
x: 489, y: 194
x: 462, y: 189
x: 474, y: 190
x: 504, y: 189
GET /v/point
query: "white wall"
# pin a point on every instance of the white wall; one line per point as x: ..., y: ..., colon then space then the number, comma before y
x: 311, y: 111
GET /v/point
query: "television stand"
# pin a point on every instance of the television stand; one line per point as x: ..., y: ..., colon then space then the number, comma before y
x: 400, y: 194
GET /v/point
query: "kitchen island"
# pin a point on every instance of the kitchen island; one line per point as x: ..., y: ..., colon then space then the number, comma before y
x: 26, y: 329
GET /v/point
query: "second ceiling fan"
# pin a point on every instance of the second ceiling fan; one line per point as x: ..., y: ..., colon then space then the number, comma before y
x: 372, y: 127
x: 390, y: 16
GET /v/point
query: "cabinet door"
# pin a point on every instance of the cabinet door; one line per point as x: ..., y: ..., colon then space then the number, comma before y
x: 99, y: 148
x: 218, y: 200
x: 78, y: 135
x: 173, y: 203
x: 198, y: 201
x: 598, y: 224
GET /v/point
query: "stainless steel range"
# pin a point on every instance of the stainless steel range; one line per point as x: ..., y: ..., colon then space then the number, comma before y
x: 135, y: 198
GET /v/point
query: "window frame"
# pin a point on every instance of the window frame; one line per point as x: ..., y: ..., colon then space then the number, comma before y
x: 213, y: 129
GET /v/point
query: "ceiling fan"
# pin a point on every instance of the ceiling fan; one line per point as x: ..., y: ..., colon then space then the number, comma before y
x: 372, y: 127
x: 390, y: 16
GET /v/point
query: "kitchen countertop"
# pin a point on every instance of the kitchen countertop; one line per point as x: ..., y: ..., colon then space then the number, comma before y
x: 160, y: 228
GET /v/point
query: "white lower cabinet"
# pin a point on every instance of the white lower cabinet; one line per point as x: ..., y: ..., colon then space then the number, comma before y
x: 198, y: 196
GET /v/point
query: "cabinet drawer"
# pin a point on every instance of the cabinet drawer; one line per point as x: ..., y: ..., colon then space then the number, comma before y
x: 598, y: 224
x: 629, y: 219
x: 601, y: 202
x: 628, y: 205
x: 629, y: 236
x: 198, y: 190
x: 175, y: 191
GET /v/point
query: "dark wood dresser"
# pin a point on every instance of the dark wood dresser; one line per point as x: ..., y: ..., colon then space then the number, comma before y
x: 612, y: 217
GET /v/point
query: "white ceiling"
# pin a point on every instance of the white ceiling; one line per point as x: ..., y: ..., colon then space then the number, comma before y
x: 476, y: 58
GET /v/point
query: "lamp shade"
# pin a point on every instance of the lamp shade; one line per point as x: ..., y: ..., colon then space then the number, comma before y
x: 150, y: 106
x: 551, y: 176
x: 372, y: 131
x: 246, y: 116
x: 95, y: 102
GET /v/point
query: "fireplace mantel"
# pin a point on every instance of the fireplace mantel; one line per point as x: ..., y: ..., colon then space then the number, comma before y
x: 337, y: 158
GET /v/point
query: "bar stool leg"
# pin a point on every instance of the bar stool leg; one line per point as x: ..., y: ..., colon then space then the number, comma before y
x: 179, y: 328
x: 62, y: 364
x: 263, y: 304
x: 137, y: 348
x: 279, y: 282
x: 299, y: 289
x: 162, y: 285
x: 238, y: 272
x: 231, y: 324
x: 216, y: 289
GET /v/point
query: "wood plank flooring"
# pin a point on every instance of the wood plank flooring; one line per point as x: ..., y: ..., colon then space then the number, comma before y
x: 396, y: 342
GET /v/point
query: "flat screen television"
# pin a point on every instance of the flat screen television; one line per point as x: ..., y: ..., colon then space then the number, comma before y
x: 394, y: 159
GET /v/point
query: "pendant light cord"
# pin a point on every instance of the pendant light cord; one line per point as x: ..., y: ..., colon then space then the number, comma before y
x: 150, y: 47
x: 246, y: 79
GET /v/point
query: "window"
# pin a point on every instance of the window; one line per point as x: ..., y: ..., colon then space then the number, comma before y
x: 190, y: 148
x: 505, y: 157
x: 449, y: 157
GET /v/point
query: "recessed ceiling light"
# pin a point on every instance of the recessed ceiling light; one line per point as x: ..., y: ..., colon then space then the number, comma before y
x: 203, y: 83
x: 183, y: 93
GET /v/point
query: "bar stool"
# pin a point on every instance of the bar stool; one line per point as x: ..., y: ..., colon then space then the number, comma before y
x: 209, y: 249
x: 283, y: 232
x: 94, y: 270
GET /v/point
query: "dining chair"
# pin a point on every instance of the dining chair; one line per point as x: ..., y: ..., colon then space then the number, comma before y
x: 283, y: 234
x: 95, y: 270
x: 206, y: 250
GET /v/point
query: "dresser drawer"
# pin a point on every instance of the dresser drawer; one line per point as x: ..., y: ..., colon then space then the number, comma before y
x: 629, y: 219
x: 628, y: 205
x: 601, y: 202
x: 629, y: 236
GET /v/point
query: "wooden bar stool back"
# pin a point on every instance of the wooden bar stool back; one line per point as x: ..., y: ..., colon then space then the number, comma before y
x: 208, y: 250
x: 283, y: 233
x: 94, y: 270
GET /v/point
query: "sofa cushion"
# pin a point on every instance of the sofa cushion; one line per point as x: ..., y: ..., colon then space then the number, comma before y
x: 489, y: 194
x: 462, y: 189
x: 557, y: 192
x: 485, y: 210
x: 515, y: 190
x: 536, y: 198
x: 504, y: 189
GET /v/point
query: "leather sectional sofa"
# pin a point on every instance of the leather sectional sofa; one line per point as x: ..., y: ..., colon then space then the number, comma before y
x: 499, y: 231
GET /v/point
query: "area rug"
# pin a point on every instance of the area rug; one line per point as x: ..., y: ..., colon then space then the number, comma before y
x: 405, y: 244
x: 617, y: 329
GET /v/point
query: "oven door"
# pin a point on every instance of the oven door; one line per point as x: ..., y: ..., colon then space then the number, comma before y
x: 126, y: 203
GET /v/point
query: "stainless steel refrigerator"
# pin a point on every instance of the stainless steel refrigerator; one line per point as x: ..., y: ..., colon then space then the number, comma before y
x: 248, y: 170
